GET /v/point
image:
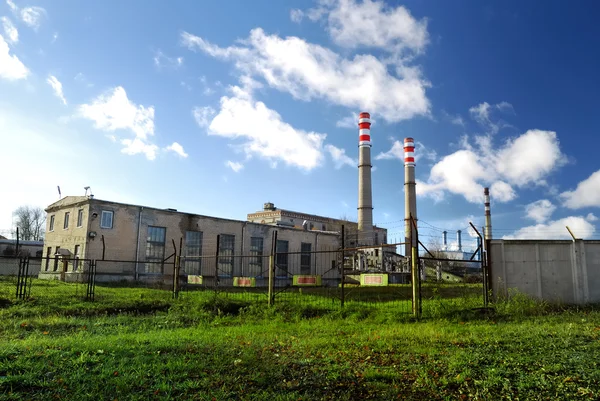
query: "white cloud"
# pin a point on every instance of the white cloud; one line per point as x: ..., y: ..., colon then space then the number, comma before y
x: 458, y: 120
x: 481, y: 114
x: 296, y: 15
x: 521, y: 161
x: 340, y: 158
x: 587, y: 193
x: 502, y: 191
x: 397, y: 152
x: 163, y: 61
x: 373, y: 24
x: 57, y: 87
x: 11, y: 68
x: 308, y: 71
x: 591, y: 217
x: 113, y: 111
x: 556, y: 229
x: 10, y: 30
x: 530, y: 157
x: 138, y: 145
x: 235, y: 166
x: 177, y: 148
x: 540, y: 211
x: 32, y: 16
x: 203, y: 115
x: 12, y: 5
x: 350, y: 121
x: 265, y: 134
x: 458, y: 173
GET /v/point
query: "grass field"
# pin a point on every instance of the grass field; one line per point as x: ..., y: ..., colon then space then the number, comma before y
x: 138, y: 344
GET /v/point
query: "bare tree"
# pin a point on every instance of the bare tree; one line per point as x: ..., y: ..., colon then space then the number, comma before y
x: 31, y: 221
x: 346, y: 217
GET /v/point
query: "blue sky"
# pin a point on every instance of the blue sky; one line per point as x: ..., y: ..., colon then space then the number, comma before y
x: 217, y: 107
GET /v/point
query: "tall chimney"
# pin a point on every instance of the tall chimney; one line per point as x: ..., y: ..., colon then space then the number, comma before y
x: 445, y: 241
x: 410, y: 195
x: 365, y: 198
x: 488, y: 214
x: 459, y: 240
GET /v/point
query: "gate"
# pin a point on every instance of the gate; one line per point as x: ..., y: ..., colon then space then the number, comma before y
x: 451, y: 270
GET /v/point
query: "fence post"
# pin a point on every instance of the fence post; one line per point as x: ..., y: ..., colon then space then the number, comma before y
x: 271, y: 289
x: 217, y: 260
x: 343, y: 297
x: 416, y: 277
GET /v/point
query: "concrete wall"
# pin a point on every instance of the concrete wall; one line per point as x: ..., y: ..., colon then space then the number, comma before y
x: 556, y: 271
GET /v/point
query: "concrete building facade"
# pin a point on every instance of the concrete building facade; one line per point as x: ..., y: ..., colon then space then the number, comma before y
x: 134, y: 241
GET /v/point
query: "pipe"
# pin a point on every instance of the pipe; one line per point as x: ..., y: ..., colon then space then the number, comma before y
x: 365, y: 196
x: 410, y: 197
x: 137, y: 244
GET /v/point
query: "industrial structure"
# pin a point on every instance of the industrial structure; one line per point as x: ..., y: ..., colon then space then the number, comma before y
x: 365, y: 195
x: 273, y: 215
x: 138, y: 239
x: 410, y: 196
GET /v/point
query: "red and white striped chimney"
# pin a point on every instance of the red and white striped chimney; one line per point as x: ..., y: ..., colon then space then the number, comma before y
x: 410, y: 195
x: 488, y: 214
x: 365, y: 197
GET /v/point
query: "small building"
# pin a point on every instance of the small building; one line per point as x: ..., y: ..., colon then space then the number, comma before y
x: 272, y: 215
x: 133, y: 242
x: 8, y: 247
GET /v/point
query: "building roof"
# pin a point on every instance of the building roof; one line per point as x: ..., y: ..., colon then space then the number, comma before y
x: 72, y: 200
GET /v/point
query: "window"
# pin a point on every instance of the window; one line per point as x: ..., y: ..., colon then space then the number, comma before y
x: 56, y: 258
x: 226, y: 248
x: 324, y: 227
x: 155, y: 249
x: 193, y: 251
x: 66, y: 223
x: 49, y: 252
x: 51, y: 228
x: 76, y: 257
x: 281, y: 259
x: 256, y: 253
x: 106, y: 220
x: 305, y: 255
x: 79, y: 217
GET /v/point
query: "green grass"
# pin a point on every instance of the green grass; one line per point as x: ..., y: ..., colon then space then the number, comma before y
x: 139, y: 344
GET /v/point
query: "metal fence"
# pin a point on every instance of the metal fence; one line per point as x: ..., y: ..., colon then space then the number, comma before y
x: 328, y: 278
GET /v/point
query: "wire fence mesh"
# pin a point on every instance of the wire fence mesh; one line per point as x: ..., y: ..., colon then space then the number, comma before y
x: 328, y: 278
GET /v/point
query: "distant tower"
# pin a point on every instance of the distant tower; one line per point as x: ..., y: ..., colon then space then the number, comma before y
x: 445, y: 241
x: 365, y: 197
x: 488, y: 214
x: 410, y: 195
x: 459, y: 240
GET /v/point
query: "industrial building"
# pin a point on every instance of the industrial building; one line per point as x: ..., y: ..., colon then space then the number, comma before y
x: 140, y: 237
